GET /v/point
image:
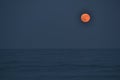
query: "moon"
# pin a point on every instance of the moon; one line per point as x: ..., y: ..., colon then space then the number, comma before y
x: 85, y: 17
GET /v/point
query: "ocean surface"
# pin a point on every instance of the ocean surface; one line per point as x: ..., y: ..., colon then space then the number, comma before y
x: 60, y: 64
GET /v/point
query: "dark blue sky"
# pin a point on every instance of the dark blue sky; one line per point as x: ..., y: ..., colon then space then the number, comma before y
x: 56, y: 24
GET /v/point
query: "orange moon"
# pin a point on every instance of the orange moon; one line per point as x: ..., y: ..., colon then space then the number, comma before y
x: 85, y: 17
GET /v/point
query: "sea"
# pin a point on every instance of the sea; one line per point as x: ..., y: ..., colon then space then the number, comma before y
x: 59, y: 64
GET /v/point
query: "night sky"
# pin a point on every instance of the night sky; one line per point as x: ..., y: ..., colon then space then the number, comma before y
x: 28, y: 24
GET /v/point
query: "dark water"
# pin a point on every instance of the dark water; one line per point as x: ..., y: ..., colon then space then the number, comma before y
x: 59, y: 64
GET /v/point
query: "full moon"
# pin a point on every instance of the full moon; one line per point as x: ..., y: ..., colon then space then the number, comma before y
x: 85, y: 17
